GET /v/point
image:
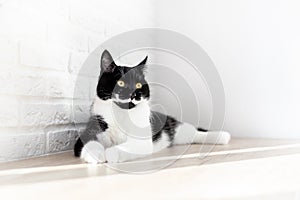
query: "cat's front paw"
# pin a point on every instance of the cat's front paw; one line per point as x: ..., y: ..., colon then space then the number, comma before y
x: 93, y: 152
x: 112, y: 155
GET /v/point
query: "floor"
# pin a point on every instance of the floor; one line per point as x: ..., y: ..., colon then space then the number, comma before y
x: 243, y: 169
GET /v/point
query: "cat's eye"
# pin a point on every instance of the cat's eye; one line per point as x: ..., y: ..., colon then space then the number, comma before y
x: 138, y: 85
x: 121, y: 83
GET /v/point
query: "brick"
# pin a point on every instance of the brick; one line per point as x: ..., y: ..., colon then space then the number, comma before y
x: 91, y: 66
x: 7, y: 78
x: 95, y: 40
x: 9, y: 109
x: 81, y: 112
x: 31, y: 85
x: 81, y: 88
x: 22, y: 146
x: 18, y: 22
x: 35, y: 114
x: 61, y: 140
x: 112, y: 29
x: 89, y: 16
x: 44, y: 55
x: 93, y: 88
x: 60, y: 85
x: 17, y: 82
x: 77, y: 60
x: 8, y: 50
x: 68, y: 35
x: 52, y: 10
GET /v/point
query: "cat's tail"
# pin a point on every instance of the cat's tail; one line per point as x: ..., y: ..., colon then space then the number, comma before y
x: 211, y: 137
x: 201, y: 129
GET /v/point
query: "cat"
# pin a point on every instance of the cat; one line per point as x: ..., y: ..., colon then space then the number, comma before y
x: 123, y: 91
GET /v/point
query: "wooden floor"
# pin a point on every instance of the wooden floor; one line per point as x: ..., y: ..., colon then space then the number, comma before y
x: 243, y: 169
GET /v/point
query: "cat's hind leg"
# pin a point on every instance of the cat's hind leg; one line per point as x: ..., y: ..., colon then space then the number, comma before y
x: 188, y: 134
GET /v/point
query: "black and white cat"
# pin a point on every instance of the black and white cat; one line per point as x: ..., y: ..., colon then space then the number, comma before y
x: 122, y: 106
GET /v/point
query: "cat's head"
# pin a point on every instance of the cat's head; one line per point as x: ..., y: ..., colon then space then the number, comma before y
x: 125, y: 86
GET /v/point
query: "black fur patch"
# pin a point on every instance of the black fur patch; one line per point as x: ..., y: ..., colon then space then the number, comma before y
x: 103, y: 125
x: 78, y: 147
x: 95, y: 126
x: 202, y: 129
x: 162, y: 123
x: 126, y: 105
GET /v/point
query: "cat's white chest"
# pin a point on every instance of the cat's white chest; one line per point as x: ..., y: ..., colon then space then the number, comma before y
x: 124, y: 124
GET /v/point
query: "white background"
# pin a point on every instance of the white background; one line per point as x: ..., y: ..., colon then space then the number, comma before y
x: 255, y: 46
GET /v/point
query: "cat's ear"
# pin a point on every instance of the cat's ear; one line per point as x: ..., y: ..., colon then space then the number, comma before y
x: 107, y: 62
x: 143, y: 62
x: 142, y: 65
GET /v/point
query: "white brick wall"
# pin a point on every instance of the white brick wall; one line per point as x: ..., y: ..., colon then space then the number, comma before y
x: 43, y: 44
x: 43, y: 55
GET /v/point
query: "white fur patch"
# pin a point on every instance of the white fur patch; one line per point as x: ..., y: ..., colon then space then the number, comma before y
x: 162, y: 143
x: 136, y: 102
x: 103, y: 108
x: 140, y: 115
x: 185, y: 134
x: 123, y: 122
x: 131, y: 149
x: 218, y: 137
